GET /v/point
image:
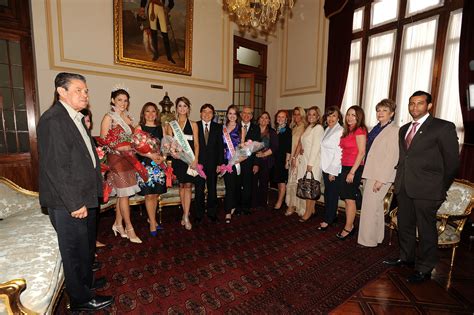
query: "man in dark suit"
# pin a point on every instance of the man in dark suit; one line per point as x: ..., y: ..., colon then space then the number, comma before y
x: 70, y: 185
x: 427, y: 165
x: 211, y: 156
x: 249, y: 167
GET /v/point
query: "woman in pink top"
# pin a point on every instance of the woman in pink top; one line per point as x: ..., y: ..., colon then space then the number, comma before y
x: 353, y: 141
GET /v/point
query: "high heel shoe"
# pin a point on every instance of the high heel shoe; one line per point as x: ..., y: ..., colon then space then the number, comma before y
x: 135, y: 239
x: 186, y: 223
x: 119, y: 229
x: 350, y: 233
x: 322, y: 228
x: 154, y: 233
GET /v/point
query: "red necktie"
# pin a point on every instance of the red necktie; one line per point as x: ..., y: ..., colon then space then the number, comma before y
x: 411, y: 134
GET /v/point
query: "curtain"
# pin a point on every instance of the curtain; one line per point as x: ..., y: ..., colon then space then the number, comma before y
x: 377, y: 75
x: 447, y: 106
x: 351, y: 94
x: 339, y: 50
x: 466, y: 54
x: 415, y: 70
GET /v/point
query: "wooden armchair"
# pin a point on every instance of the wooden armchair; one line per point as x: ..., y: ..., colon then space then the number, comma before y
x: 452, y: 215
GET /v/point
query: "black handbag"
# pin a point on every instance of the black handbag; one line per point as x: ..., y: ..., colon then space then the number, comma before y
x: 308, y: 188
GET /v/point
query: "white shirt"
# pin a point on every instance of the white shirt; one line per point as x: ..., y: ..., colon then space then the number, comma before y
x: 77, y: 119
x: 419, y: 121
x: 204, y: 125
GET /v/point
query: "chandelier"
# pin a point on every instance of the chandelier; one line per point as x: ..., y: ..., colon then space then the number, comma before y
x: 257, y: 13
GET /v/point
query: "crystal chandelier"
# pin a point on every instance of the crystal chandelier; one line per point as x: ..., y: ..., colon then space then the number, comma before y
x: 257, y: 13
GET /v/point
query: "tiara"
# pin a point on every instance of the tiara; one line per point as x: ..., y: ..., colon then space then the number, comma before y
x: 119, y: 86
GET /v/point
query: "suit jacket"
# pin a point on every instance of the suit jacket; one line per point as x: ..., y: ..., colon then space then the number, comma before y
x: 212, y: 154
x: 252, y: 134
x: 428, y: 167
x: 383, y: 156
x: 67, y: 177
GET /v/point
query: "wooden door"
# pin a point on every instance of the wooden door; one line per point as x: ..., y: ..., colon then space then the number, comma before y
x: 18, y: 111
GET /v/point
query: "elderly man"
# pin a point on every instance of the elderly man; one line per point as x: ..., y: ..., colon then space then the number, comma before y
x: 70, y: 185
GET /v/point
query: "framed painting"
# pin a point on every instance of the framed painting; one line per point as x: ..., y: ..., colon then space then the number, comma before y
x: 219, y: 116
x: 154, y: 34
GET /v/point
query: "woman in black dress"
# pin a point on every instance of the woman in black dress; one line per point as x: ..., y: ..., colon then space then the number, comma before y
x: 156, y: 183
x: 282, y: 156
x: 190, y: 130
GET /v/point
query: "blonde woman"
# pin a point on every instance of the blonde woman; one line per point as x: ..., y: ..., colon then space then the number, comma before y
x: 298, y: 125
x: 309, y: 148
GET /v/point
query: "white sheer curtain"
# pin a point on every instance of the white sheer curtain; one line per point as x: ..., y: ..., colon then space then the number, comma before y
x: 351, y: 93
x: 377, y: 73
x: 448, y: 106
x: 415, y: 71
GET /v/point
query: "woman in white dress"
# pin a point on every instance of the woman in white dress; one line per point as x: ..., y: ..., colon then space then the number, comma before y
x: 309, y: 148
x: 298, y: 125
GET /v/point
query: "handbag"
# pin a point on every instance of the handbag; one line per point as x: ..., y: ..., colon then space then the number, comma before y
x: 308, y: 188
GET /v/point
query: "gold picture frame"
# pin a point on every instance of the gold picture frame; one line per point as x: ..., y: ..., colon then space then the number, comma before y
x: 139, y: 41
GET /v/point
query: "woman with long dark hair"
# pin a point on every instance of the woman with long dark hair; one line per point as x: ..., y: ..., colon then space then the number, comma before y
x: 353, y: 143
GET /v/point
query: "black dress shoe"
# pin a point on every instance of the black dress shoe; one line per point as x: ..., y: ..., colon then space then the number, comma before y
x: 349, y: 234
x: 419, y: 277
x: 97, y: 265
x: 99, y: 283
x: 96, y: 303
x: 399, y: 263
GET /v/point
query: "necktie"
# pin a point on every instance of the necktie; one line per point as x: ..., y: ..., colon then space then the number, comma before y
x: 411, y: 134
x: 206, y: 134
x: 246, y: 128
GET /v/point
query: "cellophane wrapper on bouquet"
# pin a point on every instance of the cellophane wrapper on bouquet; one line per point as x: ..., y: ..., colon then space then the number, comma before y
x: 244, y: 151
x: 170, y: 146
x: 144, y: 143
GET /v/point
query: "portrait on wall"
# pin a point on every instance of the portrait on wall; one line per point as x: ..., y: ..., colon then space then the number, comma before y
x: 154, y: 34
x: 219, y: 116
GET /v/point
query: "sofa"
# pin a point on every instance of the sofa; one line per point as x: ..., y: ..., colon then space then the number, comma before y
x: 31, y: 274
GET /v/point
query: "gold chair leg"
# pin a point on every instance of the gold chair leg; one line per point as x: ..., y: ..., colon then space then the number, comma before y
x: 452, y: 256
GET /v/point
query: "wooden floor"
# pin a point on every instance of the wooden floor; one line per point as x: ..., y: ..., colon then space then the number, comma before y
x: 391, y: 294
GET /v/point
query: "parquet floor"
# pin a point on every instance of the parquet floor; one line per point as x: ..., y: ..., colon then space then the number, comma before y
x: 391, y: 294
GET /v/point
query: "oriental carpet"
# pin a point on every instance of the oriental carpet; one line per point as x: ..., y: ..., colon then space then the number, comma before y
x: 263, y: 263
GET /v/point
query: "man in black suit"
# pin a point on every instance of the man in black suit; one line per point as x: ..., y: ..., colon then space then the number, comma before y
x: 211, y: 156
x: 249, y: 167
x: 70, y: 185
x: 427, y: 165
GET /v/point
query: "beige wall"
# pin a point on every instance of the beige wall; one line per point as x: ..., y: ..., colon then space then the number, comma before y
x: 67, y: 37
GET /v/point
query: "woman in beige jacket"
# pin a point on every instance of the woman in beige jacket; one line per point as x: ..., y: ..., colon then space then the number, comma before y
x: 379, y: 173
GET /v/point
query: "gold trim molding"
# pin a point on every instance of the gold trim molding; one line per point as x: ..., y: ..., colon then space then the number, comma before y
x: 318, y: 84
x: 123, y: 72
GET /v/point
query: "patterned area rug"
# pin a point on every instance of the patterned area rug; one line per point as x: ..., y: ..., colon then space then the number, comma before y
x: 264, y: 263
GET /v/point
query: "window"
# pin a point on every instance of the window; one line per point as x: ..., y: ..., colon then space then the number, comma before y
x: 398, y: 53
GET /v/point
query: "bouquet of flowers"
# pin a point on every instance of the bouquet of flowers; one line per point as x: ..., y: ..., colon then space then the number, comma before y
x: 115, y: 139
x: 170, y: 146
x: 143, y: 142
x: 245, y: 150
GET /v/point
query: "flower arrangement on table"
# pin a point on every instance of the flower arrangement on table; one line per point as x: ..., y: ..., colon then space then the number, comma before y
x: 170, y: 146
x: 244, y: 151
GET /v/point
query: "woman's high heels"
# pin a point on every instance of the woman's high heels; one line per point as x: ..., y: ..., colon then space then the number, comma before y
x: 186, y: 223
x: 349, y: 234
x: 119, y: 229
x: 133, y: 239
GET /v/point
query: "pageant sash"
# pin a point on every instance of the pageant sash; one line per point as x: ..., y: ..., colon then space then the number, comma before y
x: 181, y: 138
x: 183, y: 142
x: 231, y: 147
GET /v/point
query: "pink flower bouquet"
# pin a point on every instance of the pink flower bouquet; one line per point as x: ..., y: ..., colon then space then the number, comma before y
x: 244, y: 151
x: 170, y: 146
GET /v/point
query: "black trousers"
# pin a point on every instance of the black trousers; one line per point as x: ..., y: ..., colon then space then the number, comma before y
x: 200, y: 197
x: 76, y: 238
x: 232, y: 190
x: 260, y: 186
x: 246, y: 183
x: 331, y: 197
x: 413, y: 213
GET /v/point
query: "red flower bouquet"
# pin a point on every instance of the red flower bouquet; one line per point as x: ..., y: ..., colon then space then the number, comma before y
x: 143, y: 142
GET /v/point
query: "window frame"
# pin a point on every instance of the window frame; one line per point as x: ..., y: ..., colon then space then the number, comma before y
x: 443, y: 13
